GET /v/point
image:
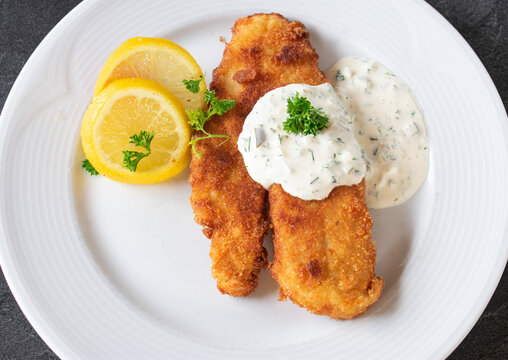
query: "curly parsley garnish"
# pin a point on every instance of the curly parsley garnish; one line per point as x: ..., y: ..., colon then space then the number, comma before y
x: 303, y: 118
x: 198, y: 118
x: 192, y: 85
x: 85, y: 164
x: 132, y: 158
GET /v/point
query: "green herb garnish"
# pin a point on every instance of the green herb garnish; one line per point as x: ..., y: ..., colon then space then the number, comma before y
x: 192, y: 85
x: 217, y: 106
x: 132, y: 158
x: 85, y: 164
x: 197, y: 118
x: 303, y: 118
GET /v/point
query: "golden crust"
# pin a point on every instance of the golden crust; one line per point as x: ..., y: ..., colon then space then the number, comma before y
x: 324, y: 258
x: 265, y: 52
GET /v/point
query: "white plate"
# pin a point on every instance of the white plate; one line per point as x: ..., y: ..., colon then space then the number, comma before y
x: 110, y: 271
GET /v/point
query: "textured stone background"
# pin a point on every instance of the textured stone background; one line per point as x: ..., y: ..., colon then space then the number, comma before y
x: 483, y: 23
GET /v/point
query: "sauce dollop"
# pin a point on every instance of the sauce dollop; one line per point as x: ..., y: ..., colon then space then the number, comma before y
x: 388, y: 125
x: 375, y: 130
x: 306, y: 166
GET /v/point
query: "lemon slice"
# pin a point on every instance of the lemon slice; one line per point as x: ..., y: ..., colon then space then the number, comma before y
x: 155, y: 59
x: 127, y: 107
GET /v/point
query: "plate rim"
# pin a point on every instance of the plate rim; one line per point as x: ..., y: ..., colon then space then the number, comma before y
x: 491, y: 285
x: 16, y: 286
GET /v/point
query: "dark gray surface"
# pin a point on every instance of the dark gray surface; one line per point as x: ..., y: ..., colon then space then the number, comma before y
x: 483, y: 23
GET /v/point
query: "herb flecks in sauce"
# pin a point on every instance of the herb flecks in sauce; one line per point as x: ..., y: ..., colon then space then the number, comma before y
x: 306, y: 165
x: 388, y: 125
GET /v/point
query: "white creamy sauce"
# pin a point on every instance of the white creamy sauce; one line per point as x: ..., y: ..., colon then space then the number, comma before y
x: 375, y: 130
x: 388, y: 125
x: 306, y: 166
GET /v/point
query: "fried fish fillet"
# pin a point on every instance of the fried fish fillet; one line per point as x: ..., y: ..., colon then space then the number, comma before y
x: 265, y: 52
x: 324, y: 259
x: 323, y: 255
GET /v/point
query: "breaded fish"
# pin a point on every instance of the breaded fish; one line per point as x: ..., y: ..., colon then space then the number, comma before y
x: 323, y: 255
x: 265, y: 52
x: 324, y: 258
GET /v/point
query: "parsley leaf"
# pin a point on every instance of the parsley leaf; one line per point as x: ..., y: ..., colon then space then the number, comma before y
x: 132, y: 158
x: 85, y: 164
x: 210, y: 97
x: 218, y: 106
x: 142, y: 139
x: 198, y: 118
x: 224, y: 105
x: 192, y: 85
x: 303, y: 118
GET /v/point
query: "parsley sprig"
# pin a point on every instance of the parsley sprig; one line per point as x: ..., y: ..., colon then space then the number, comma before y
x: 303, y: 118
x: 192, y: 85
x: 132, y: 158
x: 198, y: 118
x: 85, y: 164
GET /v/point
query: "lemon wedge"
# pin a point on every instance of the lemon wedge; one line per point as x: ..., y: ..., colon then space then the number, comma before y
x: 127, y: 107
x: 155, y: 59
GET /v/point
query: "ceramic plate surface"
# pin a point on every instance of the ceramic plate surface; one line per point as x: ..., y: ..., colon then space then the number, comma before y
x: 111, y: 271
